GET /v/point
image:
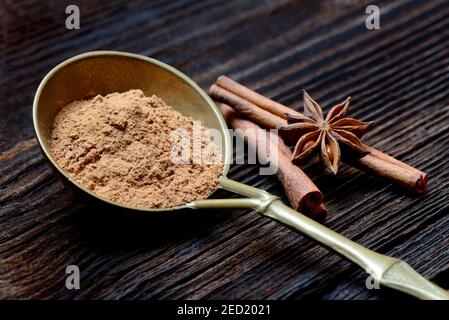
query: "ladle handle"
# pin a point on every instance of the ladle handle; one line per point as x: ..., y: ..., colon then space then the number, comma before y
x: 391, y: 272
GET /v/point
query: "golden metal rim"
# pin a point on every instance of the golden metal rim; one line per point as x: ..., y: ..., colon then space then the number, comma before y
x: 227, y: 140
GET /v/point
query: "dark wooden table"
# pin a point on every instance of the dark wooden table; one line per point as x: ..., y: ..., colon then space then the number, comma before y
x: 398, y: 76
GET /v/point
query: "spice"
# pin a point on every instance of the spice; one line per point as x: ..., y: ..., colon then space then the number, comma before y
x: 301, y: 192
x: 375, y: 161
x: 265, y: 118
x: 249, y: 95
x: 313, y: 132
x: 120, y: 147
x: 392, y: 169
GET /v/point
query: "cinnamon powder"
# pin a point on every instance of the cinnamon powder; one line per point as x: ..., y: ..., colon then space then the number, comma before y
x: 120, y: 146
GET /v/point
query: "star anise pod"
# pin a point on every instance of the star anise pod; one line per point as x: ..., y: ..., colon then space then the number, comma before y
x: 312, y: 132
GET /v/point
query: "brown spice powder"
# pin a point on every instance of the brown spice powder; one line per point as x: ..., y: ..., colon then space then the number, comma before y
x: 120, y: 146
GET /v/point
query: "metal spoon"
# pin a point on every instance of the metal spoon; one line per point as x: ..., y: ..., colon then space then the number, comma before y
x: 104, y: 72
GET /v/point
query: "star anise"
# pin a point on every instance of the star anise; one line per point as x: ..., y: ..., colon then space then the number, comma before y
x: 312, y: 132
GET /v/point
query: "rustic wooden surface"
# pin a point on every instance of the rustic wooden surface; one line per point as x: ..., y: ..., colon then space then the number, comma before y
x: 398, y: 76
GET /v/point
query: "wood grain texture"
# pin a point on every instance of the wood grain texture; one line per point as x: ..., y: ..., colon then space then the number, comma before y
x: 398, y: 77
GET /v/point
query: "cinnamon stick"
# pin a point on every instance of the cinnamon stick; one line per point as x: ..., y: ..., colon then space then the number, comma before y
x: 392, y: 169
x: 253, y: 97
x: 246, y: 108
x: 375, y: 162
x: 301, y: 192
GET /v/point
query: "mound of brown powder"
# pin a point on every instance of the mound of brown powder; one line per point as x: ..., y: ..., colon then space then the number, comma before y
x: 121, y: 147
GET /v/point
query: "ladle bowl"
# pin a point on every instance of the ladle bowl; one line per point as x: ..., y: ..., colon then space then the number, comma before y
x: 103, y: 72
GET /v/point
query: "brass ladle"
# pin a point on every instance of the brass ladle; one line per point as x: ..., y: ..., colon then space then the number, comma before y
x: 103, y: 72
